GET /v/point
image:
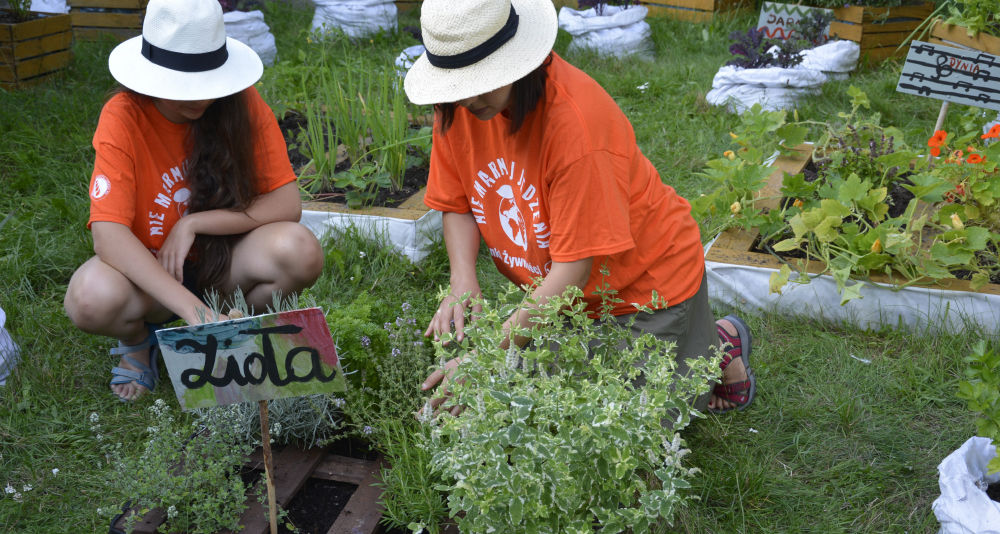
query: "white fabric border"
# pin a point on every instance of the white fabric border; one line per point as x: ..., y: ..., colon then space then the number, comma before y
x: 411, y: 237
x: 964, y: 508
x: 915, y: 309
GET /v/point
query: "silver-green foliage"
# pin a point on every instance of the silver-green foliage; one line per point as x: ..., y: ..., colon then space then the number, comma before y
x: 563, y: 440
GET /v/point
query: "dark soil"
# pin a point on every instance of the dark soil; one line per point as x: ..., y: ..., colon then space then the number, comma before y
x: 413, y: 179
x: 7, y: 17
x: 993, y: 491
x: 316, y: 506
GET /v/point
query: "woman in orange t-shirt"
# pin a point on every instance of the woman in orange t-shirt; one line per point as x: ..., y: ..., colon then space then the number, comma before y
x: 534, y: 157
x: 192, y: 190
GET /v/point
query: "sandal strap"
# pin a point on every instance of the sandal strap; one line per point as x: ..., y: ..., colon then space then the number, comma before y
x: 122, y: 348
x: 736, y: 392
x: 734, y: 350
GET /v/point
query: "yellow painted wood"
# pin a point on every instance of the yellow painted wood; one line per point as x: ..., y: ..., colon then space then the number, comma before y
x: 20, y: 31
x: 107, y: 20
x: 860, y: 14
x: 952, y: 35
x: 109, y: 4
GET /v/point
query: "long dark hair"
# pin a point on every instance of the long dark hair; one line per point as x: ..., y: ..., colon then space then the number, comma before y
x: 221, y: 174
x: 525, y: 94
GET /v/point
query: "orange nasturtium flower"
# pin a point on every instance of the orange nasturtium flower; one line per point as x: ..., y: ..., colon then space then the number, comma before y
x: 975, y: 158
x: 994, y: 132
x: 937, y: 139
x: 935, y: 151
x: 798, y: 203
x: 729, y: 154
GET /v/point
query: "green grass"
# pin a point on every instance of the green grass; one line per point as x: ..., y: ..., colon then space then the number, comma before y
x: 831, y: 444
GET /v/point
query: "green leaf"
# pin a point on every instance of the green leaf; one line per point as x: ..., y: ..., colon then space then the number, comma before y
x: 779, y: 278
x: 786, y: 244
x: 853, y: 189
x: 792, y: 135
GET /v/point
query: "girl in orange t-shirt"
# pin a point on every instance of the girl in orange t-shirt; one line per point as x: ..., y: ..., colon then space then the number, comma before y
x: 532, y: 156
x: 191, y: 190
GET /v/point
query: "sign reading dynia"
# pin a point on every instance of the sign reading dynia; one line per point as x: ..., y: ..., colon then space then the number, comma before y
x: 265, y: 357
x: 952, y: 74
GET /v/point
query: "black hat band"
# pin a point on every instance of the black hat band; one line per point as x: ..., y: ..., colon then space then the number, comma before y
x: 185, y: 62
x: 480, y: 51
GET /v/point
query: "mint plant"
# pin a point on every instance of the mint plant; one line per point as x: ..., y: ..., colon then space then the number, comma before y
x: 559, y: 436
x: 981, y: 391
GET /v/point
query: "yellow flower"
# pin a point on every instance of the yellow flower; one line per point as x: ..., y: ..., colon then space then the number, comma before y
x: 735, y: 207
x: 798, y: 203
x: 956, y: 222
x: 877, y: 246
x: 729, y: 154
x: 734, y: 136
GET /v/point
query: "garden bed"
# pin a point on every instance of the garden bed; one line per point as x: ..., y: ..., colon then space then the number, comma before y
x: 33, y: 50
x: 692, y: 10
x: 739, y: 276
x: 879, y: 30
x: 119, y: 18
x: 957, y: 36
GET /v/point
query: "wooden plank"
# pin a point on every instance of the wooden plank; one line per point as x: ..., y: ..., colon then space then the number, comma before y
x: 854, y: 32
x: 107, y: 20
x: 37, y: 47
x: 343, y: 469
x: 876, y: 40
x: 687, y: 15
x: 859, y: 14
x: 397, y: 213
x: 94, y: 34
x: 415, y: 202
x: 292, y: 466
x: 49, y: 24
x: 42, y: 65
x: 882, y: 53
x: 109, y: 4
x: 363, y: 511
x: 951, y: 35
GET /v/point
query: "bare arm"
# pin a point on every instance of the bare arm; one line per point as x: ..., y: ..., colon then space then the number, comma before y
x: 116, y: 246
x: 561, y: 276
x: 461, y: 237
x: 282, y: 204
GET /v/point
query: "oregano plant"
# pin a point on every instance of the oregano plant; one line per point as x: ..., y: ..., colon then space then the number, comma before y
x: 561, y: 435
x: 981, y: 391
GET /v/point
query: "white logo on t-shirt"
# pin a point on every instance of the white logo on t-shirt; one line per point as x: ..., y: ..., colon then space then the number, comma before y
x: 511, y: 219
x: 102, y: 186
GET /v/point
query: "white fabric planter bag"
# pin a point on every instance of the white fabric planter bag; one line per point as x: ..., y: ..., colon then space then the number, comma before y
x: 49, y: 6
x: 406, y: 58
x: 618, y: 31
x: 410, y: 237
x: 356, y: 18
x: 964, y: 507
x: 249, y: 28
x: 9, y: 351
x: 915, y: 309
x: 777, y: 88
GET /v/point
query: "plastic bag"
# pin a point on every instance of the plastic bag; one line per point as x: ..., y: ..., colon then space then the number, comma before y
x: 249, y: 28
x: 10, y: 353
x: 964, y: 507
x: 49, y: 6
x: 836, y: 59
x: 356, y: 18
x: 406, y: 58
x: 618, y: 31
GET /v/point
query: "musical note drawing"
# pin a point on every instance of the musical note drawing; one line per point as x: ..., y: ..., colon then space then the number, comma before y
x: 981, y: 73
x: 962, y: 84
x: 916, y: 76
x: 943, y: 67
x: 988, y: 59
x: 924, y: 48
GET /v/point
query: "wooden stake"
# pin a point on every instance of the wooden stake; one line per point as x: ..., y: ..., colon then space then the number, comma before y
x: 265, y: 437
x: 941, y: 115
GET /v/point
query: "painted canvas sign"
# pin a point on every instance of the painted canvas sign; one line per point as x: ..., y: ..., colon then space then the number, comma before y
x: 264, y: 357
x: 777, y: 19
x: 961, y: 76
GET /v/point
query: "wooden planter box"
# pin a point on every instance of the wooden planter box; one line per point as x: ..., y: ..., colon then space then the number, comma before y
x: 879, y: 30
x: 693, y: 10
x: 958, y: 37
x: 738, y: 276
x: 121, y: 19
x: 409, y: 228
x: 33, y: 50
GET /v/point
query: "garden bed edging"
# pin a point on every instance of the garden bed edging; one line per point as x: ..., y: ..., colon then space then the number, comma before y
x: 410, y: 228
x: 741, y: 278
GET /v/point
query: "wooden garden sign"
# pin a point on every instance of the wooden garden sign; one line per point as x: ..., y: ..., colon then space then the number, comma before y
x: 777, y: 19
x: 258, y: 358
x: 951, y: 74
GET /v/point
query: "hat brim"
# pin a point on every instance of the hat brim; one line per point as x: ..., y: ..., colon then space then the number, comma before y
x: 536, y: 33
x: 241, y: 70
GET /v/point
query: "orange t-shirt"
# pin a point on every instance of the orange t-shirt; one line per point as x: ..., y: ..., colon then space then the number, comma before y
x: 570, y: 184
x: 140, y: 171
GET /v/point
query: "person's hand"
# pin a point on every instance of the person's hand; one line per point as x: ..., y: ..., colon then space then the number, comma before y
x: 175, y: 249
x: 453, y: 310
x: 440, y: 379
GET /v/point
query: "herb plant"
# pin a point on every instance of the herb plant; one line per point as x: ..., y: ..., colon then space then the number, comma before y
x: 981, y: 390
x: 974, y: 15
x: 21, y: 9
x: 563, y: 439
x: 599, y: 5
x: 754, y: 50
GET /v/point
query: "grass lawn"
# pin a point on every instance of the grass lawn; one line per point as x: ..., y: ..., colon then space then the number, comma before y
x: 832, y: 443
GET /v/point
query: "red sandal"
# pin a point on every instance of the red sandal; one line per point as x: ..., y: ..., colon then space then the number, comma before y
x: 743, y: 392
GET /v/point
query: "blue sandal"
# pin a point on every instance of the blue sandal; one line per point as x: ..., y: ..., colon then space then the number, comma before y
x: 147, y: 375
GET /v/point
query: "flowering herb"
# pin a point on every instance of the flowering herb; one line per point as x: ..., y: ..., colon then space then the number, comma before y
x: 754, y: 50
x: 812, y: 29
x: 239, y: 5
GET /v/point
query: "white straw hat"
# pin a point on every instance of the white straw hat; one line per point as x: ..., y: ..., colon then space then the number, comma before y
x: 476, y: 46
x: 184, y: 54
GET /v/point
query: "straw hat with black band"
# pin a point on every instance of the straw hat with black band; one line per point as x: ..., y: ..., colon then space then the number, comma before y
x: 184, y: 54
x: 474, y: 47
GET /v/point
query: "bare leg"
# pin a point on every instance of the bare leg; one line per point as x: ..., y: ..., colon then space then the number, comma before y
x: 283, y: 256
x: 734, y: 372
x: 101, y: 300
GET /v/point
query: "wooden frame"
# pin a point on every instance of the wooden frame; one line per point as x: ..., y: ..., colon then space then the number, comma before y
x: 957, y: 36
x: 693, y: 10
x: 121, y: 19
x: 33, y: 50
x: 879, y: 30
x: 734, y: 246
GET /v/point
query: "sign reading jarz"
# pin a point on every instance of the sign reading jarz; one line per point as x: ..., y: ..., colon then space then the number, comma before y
x: 778, y: 20
x: 257, y: 358
x: 953, y: 74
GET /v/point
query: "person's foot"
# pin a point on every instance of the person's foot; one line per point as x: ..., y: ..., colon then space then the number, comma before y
x: 131, y: 391
x: 738, y: 387
x: 136, y: 373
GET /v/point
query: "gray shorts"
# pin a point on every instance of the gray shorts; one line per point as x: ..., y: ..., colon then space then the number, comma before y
x: 689, y: 324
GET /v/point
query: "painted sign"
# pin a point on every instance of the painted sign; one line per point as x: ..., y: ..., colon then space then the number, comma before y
x: 264, y: 357
x: 961, y: 76
x: 777, y: 19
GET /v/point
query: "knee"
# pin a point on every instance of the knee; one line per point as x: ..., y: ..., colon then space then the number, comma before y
x: 91, y: 301
x: 300, y: 254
